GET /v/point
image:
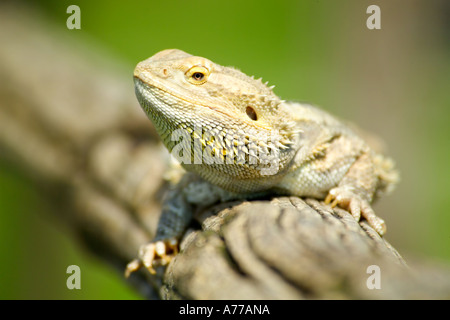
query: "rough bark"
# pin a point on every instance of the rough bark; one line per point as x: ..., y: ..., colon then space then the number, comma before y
x: 69, y: 119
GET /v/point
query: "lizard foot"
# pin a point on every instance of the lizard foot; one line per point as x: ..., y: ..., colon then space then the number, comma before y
x: 153, y: 254
x: 357, y: 206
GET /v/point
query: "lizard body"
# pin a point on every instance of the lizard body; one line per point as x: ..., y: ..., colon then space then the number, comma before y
x: 240, y: 140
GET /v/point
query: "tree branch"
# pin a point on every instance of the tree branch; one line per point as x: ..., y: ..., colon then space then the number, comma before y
x: 69, y: 119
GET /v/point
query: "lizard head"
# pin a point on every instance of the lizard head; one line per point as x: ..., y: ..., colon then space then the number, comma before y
x: 199, y: 86
x: 179, y: 90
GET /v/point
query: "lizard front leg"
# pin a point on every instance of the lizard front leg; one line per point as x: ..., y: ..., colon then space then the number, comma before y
x: 177, y: 213
x: 175, y: 217
x: 355, y: 192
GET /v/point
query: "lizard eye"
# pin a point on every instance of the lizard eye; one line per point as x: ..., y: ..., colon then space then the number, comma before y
x: 251, y: 113
x: 197, y: 75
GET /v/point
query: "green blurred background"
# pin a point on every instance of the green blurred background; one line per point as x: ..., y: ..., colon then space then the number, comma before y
x: 394, y: 82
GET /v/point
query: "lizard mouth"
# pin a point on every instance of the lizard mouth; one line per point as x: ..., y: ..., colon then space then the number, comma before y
x: 153, y: 86
x: 149, y: 90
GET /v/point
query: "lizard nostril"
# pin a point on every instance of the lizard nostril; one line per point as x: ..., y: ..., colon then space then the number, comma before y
x: 165, y: 72
x: 251, y: 113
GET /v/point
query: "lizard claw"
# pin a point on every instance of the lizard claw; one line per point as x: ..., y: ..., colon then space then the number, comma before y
x: 153, y: 254
x: 357, y: 206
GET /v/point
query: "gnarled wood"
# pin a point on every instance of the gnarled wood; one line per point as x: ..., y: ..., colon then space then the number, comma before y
x: 72, y: 123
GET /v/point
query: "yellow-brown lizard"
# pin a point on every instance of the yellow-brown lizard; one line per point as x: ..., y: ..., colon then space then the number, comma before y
x: 238, y: 140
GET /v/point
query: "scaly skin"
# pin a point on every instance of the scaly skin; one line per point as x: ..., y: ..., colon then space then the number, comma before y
x: 241, y: 141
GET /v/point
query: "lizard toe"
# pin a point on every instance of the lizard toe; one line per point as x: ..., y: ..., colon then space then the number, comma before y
x: 152, y: 255
x: 374, y: 221
x: 357, y: 206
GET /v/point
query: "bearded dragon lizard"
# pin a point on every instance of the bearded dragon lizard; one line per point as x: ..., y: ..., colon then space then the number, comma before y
x: 238, y: 140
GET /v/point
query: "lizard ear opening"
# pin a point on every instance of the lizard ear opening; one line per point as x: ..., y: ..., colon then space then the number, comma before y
x: 251, y: 113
